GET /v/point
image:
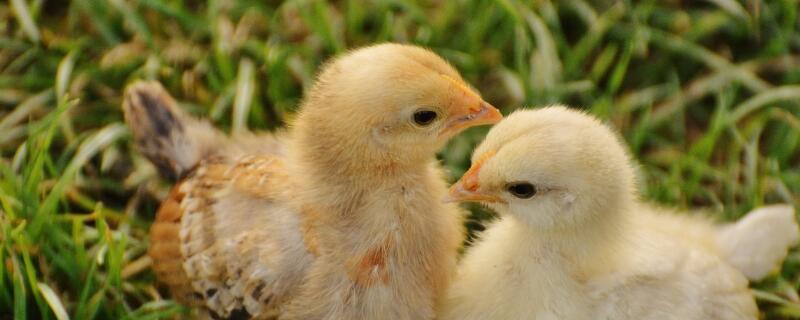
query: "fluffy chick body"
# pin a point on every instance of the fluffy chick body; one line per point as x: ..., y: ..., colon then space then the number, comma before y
x: 341, y: 219
x: 582, y: 246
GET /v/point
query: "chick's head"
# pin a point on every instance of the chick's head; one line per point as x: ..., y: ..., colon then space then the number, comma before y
x: 551, y: 168
x: 400, y: 100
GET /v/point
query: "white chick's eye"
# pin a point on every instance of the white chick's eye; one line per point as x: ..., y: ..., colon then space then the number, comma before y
x: 424, y: 117
x: 522, y: 190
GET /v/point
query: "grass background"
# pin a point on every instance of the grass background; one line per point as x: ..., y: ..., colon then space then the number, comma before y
x: 705, y: 92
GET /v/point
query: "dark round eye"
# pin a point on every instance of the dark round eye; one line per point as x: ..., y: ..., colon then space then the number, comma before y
x: 424, y: 117
x: 522, y: 190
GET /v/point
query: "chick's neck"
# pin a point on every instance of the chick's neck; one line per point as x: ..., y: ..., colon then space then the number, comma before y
x: 584, y: 246
x: 337, y: 165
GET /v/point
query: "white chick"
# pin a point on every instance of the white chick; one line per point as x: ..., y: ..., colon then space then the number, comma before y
x: 574, y: 241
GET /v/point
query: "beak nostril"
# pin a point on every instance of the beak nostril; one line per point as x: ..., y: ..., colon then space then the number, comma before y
x: 479, y: 108
x: 471, y: 183
x: 470, y: 114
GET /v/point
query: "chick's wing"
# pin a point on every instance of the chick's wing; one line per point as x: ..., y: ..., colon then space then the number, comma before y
x: 226, y: 238
x: 674, y: 282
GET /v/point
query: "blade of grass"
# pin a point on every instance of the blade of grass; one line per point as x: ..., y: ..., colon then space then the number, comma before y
x: 546, y: 60
x: 245, y: 87
x: 732, y: 7
x: 20, y: 303
x: 25, y: 109
x: 783, y: 93
x: 53, y: 300
x: 23, y: 15
x: 63, y: 75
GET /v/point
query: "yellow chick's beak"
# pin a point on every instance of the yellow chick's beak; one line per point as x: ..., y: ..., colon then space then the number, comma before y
x: 479, y: 114
x: 469, y: 110
x: 468, y: 187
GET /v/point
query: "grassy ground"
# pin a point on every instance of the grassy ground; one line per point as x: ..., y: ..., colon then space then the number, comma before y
x: 706, y: 94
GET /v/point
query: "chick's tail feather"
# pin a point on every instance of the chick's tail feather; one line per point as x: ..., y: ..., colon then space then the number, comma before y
x: 171, y: 139
x: 758, y: 243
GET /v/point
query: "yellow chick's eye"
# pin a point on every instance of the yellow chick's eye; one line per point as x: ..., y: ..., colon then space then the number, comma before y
x: 424, y: 117
x: 522, y: 190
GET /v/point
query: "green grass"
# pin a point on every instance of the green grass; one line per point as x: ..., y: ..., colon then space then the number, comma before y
x: 706, y: 94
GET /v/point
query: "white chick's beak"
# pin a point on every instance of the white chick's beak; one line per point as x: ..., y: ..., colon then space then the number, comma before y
x: 469, y: 110
x: 468, y: 187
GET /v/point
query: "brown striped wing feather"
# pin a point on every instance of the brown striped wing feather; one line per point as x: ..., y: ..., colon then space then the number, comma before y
x: 226, y: 239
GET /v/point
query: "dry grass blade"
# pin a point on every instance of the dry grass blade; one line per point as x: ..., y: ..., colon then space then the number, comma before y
x: 245, y: 86
x: 23, y: 14
x: 545, y: 61
x: 784, y: 93
x: 26, y: 109
x: 54, y: 301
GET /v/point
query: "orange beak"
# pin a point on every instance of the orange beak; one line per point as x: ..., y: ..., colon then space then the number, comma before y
x: 469, y: 110
x: 468, y: 187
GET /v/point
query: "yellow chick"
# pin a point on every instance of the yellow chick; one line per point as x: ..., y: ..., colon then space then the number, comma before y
x: 341, y: 219
x: 574, y: 241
